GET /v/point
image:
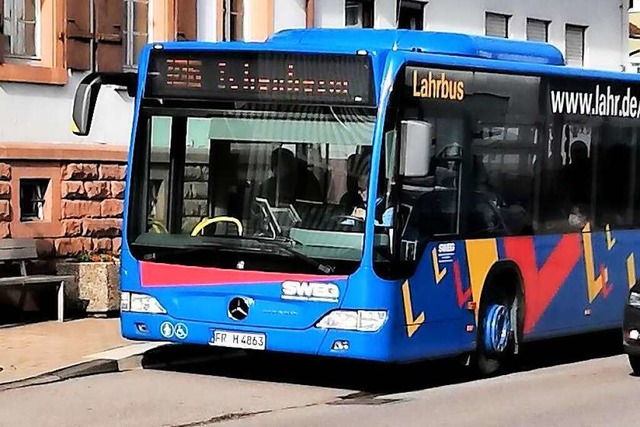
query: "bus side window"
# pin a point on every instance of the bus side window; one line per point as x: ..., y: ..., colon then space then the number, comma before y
x: 567, y: 176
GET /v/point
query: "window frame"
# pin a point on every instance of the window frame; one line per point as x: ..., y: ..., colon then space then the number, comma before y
x: 36, y: 185
x: 50, y: 68
x: 583, y: 36
x: 129, y: 34
x: 413, y: 5
x: 507, y: 19
x: 546, y: 23
x: 230, y: 9
x: 15, y: 22
x: 366, y: 10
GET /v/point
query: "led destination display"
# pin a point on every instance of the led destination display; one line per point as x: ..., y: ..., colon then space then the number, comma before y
x: 262, y: 77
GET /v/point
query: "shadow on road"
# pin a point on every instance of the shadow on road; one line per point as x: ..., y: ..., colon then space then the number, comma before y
x: 365, y: 378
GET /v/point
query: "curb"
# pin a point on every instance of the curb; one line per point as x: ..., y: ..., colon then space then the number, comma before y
x: 83, y: 369
x: 161, y: 356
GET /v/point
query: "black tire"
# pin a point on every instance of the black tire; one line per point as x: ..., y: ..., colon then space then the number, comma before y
x: 486, y: 362
x: 634, y: 361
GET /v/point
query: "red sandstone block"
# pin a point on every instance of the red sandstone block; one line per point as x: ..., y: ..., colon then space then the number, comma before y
x: 112, y: 208
x: 102, y: 244
x: 80, y: 209
x: 81, y: 171
x: 117, y: 245
x: 5, y: 210
x: 112, y: 172
x: 101, y: 227
x: 72, y: 227
x: 97, y: 189
x: 117, y: 189
x: 5, y: 230
x: 70, y: 246
x: 5, y: 190
x: 5, y: 171
x: 73, y: 190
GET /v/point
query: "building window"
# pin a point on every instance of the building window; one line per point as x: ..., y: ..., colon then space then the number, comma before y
x: 136, y: 31
x: 21, y: 32
x: 537, y: 30
x: 574, y: 49
x: 233, y: 20
x: 411, y: 15
x: 33, y: 194
x: 497, y: 25
x: 359, y: 14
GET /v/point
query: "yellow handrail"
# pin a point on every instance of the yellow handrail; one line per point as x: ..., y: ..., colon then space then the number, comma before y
x: 208, y: 221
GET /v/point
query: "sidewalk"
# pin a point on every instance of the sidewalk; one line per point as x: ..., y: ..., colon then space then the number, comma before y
x: 34, y: 349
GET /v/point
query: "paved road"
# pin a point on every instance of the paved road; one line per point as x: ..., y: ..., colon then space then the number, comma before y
x: 569, y: 388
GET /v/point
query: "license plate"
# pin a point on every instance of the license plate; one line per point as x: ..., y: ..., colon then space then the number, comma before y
x: 238, y: 340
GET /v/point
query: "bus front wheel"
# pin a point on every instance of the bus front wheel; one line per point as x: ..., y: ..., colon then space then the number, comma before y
x: 495, y: 338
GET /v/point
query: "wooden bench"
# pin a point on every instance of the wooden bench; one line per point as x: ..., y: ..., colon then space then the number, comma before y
x: 23, y: 251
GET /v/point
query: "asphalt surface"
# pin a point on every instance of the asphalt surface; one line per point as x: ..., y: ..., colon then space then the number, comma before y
x: 559, y: 383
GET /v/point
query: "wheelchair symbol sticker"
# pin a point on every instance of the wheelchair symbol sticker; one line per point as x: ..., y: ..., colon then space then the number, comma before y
x: 181, y: 331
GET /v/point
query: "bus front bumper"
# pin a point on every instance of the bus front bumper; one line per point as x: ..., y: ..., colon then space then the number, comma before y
x: 311, y: 341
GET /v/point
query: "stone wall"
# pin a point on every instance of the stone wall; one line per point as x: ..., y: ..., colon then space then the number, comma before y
x: 83, y: 203
x: 5, y: 203
x: 92, y: 207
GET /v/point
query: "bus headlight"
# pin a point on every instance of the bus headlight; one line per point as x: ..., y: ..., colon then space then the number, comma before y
x: 140, y: 303
x: 634, y: 299
x: 351, y: 320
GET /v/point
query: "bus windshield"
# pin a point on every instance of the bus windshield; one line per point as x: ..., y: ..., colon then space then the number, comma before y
x: 285, y: 181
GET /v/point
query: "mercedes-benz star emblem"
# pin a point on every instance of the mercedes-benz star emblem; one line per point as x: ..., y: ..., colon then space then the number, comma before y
x: 238, y: 309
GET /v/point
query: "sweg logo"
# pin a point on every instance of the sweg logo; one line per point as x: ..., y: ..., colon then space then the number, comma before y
x: 310, y: 291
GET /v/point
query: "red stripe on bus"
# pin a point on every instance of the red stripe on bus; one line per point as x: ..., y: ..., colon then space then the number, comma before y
x: 157, y: 274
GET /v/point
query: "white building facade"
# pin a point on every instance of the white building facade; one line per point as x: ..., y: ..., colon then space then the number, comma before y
x: 591, y: 33
x: 49, y: 46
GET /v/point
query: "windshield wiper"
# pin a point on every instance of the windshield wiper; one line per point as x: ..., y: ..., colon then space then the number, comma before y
x: 326, y: 269
x: 280, y: 242
x: 159, y: 252
x: 283, y: 242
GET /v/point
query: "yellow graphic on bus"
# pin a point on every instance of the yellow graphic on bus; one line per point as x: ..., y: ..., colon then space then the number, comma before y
x: 437, y: 273
x: 413, y: 324
x: 594, y: 284
x: 631, y: 270
x: 437, y: 87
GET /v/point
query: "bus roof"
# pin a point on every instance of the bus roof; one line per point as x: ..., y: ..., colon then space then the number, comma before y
x: 423, y: 41
x: 438, y: 47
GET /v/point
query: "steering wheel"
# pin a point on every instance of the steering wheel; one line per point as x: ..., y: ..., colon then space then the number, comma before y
x: 208, y: 221
x: 157, y: 226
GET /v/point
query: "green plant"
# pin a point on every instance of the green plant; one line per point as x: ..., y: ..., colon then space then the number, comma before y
x: 92, y: 256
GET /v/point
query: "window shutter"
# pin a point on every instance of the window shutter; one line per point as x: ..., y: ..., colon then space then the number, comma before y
x: 79, y: 37
x: 574, y: 50
x: 237, y: 19
x: 186, y: 20
x: 2, y: 41
x: 496, y: 25
x: 536, y: 30
x: 109, y: 17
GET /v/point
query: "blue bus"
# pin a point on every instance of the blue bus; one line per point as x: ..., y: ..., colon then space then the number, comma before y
x: 382, y: 195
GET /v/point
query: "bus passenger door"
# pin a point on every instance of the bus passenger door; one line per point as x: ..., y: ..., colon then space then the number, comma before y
x: 426, y: 238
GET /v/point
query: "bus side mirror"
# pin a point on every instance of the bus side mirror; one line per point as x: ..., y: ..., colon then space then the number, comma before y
x: 86, y: 96
x: 415, y: 151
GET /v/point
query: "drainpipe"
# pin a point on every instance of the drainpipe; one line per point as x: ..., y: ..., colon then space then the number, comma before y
x: 625, y: 33
x: 309, y: 12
